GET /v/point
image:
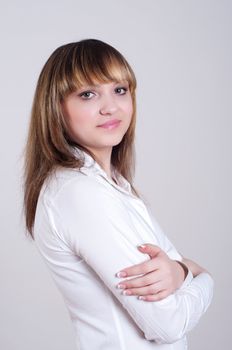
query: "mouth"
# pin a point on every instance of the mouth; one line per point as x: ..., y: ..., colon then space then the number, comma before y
x: 110, y: 124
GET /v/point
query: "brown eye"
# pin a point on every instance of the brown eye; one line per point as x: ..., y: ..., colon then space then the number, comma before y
x: 86, y: 95
x: 122, y: 89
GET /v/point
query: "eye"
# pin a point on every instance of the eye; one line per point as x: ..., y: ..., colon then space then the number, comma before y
x: 86, y: 95
x: 121, y: 88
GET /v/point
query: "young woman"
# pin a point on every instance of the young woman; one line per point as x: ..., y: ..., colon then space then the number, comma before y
x: 87, y: 219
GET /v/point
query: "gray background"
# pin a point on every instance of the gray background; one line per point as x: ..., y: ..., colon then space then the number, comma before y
x: 181, y: 54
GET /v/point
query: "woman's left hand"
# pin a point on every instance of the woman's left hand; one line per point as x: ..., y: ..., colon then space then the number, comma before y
x: 161, y: 275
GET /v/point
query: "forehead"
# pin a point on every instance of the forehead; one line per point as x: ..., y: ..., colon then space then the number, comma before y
x: 89, y: 74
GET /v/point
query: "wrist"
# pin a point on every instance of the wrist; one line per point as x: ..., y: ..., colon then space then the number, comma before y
x: 193, y: 267
x: 184, y: 268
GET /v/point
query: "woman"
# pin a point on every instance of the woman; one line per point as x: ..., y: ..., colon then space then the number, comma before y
x: 88, y: 220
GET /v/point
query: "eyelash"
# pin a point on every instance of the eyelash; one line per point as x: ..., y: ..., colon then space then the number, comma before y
x: 86, y: 92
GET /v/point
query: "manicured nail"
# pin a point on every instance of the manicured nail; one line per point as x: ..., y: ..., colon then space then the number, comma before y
x: 142, y: 246
x: 121, y: 274
x: 121, y: 286
x: 126, y: 292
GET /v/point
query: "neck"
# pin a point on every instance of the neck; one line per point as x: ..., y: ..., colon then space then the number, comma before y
x: 103, y: 157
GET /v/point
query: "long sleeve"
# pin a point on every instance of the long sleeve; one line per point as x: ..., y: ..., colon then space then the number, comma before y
x: 97, y: 226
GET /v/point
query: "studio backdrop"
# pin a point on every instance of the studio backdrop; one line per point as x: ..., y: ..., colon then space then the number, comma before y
x: 181, y: 52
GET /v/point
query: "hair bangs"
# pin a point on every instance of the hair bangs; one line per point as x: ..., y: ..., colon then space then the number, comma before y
x: 88, y: 68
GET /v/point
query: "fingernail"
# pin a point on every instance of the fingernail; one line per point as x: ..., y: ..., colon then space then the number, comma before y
x: 121, y: 274
x: 141, y: 298
x: 126, y: 292
x: 142, y: 246
x: 121, y: 286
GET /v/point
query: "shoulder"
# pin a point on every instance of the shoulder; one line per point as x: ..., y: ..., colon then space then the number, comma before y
x: 66, y: 186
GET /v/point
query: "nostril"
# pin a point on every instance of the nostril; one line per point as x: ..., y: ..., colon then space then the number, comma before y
x: 108, y: 110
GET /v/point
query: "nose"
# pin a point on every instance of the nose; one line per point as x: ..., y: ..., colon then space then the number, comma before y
x: 108, y: 105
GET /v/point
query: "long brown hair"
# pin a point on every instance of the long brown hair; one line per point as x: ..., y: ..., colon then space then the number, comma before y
x: 49, y: 144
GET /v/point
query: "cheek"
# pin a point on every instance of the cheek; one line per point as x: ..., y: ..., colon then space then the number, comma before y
x: 79, y: 118
x: 129, y: 110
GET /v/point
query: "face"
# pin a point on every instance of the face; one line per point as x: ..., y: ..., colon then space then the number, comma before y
x: 98, y: 116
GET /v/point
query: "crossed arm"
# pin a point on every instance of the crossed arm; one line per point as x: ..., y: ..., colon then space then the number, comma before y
x: 99, y: 231
x: 159, y: 277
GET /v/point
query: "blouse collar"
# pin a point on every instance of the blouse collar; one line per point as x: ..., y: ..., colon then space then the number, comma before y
x: 90, y: 166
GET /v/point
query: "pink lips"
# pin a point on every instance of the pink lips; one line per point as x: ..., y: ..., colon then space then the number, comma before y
x: 110, y: 124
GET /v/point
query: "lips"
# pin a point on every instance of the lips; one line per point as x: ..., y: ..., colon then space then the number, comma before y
x: 113, y: 122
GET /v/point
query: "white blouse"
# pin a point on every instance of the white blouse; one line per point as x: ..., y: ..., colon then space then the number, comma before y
x: 87, y: 228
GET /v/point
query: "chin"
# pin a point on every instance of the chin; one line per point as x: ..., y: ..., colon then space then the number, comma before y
x: 112, y: 140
